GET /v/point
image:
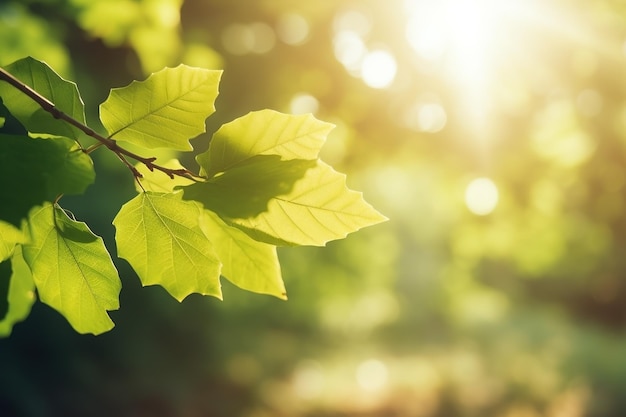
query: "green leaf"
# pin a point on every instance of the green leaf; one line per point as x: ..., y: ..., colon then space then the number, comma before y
x: 165, y: 110
x: 249, y: 264
x: 33, y: 170
x: 21, y: 293
x: 160, y: 236
x: 62, y: 93
x: 72, y: 270
x: 319, y: 208
x: 158, y: 181
x: 9, y: 125
x: 5, y: 277
x: 245, y: 189
x: 9, y: 237
x: 264, y: 132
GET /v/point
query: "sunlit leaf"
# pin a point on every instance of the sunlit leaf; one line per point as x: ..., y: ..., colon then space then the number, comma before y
x: 158, y: 181
x: 245, y: 189
x: 72, y: 269
x: 9, y: 237
x: 165, y: 110
x: 160, y: 236
x: 247, y: 263
x: 33, y: 170
x: 21, y: 293
x: 319, y: 208
x: 264, y: 132
x: 62, y: 93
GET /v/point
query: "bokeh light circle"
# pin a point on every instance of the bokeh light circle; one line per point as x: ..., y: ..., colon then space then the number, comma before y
x: 481, y: 196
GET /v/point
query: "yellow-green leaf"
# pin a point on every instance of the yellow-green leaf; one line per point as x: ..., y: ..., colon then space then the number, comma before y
x: 9, y: 237
x: 158, y: 181
x: 265, y: 132
x: 245, y: 189
x: 160, y: 236
x: 319, y: 208
x: 165, y: 110
x: 21, y: 294
x: 247, y: 263
x: 72, y: 269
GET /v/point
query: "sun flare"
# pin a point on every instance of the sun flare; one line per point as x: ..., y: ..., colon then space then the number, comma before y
x: 476, y: 45
x: 459, y: 36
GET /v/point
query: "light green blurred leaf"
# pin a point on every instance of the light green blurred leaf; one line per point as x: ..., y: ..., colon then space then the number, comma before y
x: 108, y: 20
x: 72, y: 269
x: 247, y: 263
x: 150, y: 27
x: 264, y: 132
x: 165, y: 110
x: 157, y: 47
x: 33, y: 170
x: 160, y: 236
x: 21, y: 294
x: 319, y: 208
x: 62, y: 93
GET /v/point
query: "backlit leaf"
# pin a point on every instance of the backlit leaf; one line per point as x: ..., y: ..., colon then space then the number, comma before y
x: 264, y: 132
x: 319, y: 208
x: 9, y: 237
x: 62, y: 93
x: 72, y: 269
x: 21, y: 293
x: 164, y: 111
x: 34, y: 170
x: 247, y: 263
x: 245, y: 189
x: 160, y: 236
x: 158, y: 181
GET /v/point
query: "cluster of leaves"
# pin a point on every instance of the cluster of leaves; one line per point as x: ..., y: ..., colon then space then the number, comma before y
x: 260, y: 185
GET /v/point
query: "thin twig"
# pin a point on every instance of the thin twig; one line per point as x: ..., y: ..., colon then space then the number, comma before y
x: 121, y: 153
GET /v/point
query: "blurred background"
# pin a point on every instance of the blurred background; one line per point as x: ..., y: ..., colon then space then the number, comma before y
x: 492, y: 133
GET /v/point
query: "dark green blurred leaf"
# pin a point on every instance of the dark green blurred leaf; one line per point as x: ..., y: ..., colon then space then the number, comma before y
x: 5, y: 278
x: 33, y: 170
x: 9, y: 125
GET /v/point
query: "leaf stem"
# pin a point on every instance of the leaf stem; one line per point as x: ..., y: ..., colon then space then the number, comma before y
x: 93, y: 147
x: 121, y: 153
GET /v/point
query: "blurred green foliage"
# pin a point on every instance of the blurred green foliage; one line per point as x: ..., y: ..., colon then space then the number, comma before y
x: 439, y: 312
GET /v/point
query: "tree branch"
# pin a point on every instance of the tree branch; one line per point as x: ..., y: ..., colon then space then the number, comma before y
x: 121, y: 153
